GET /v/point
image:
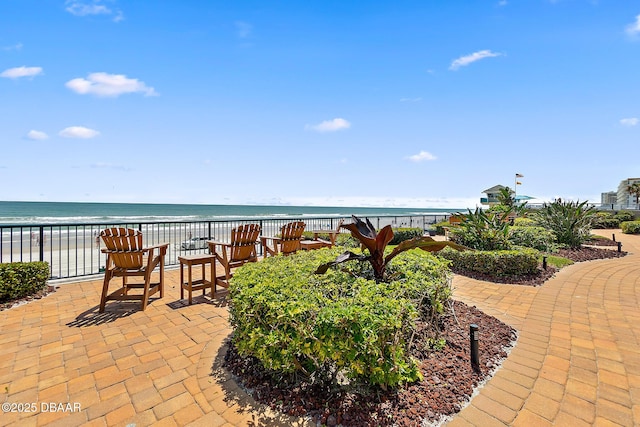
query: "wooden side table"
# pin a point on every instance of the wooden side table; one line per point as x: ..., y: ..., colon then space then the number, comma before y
x: 200, y: 284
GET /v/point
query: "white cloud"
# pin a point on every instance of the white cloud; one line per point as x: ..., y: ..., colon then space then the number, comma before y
x: 633, y: 29
x: 37, y: 135
x: 422, y: 156
x: 14, y: 73
x: 95, y: 7
x: 78, y: 132
x: 330, y: 125
x: 463, y: 61
x: 243, y: 29
x: 103, y: 84
x: 631, y: 121
x: 502, y: 3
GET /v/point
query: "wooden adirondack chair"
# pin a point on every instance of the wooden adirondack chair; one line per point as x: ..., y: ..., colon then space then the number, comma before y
x: 318, y: 243
x: 287, y: 243
x: 241, y: 250
x: 127, y: 258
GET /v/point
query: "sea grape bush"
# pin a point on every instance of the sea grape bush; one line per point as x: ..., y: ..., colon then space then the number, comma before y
x: 319, y: 326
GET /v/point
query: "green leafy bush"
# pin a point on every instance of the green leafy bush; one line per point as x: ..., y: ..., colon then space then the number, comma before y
x: 524, y: 222
x: 21, y: 279
x: 604, y: 220
x: 630, y: 227
x: 571, y: 222
x: 533, y: 237
x: 623, y: 216
x: 293, y: 320
x: 402, y: 234
x: 496, y: 263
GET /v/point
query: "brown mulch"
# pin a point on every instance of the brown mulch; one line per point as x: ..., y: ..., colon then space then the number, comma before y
x: 448, y: 378
x: 448, y: 383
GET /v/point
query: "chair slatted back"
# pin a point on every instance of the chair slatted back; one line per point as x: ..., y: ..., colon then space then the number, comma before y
x: 127, y: 242
x: 291, y: 234
x: 243, y: 242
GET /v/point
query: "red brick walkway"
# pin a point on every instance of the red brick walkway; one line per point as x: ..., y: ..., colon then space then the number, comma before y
x: 577, y: 360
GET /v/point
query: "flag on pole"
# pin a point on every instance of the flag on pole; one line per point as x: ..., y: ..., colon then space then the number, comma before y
x: 518, y: 175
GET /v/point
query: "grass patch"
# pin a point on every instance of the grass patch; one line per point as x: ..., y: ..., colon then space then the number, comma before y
x: 557, y: 261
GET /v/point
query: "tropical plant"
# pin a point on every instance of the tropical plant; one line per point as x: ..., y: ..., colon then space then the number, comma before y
x: 482, y: 230
x: 376, y: 243
x: 506, y: 197
x: 634, y: 189
x: 571, y: 222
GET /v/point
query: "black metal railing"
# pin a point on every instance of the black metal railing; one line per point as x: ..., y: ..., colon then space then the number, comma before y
x: 73, y: 250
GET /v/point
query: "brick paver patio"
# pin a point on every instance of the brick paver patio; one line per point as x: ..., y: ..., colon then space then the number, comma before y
x: 577, y: 360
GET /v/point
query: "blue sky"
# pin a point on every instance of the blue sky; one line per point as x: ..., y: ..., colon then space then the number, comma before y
x: 404, y: 103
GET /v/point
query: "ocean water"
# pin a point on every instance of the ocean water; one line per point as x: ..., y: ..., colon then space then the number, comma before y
x: 12, y: 213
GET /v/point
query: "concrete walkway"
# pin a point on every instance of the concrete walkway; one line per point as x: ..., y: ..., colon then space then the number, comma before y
x: 577, y: 361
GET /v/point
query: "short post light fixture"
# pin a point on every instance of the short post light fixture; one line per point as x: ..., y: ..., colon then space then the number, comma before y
x: 474, y: 338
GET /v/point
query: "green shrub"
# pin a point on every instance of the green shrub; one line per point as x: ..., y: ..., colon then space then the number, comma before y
x: 623, y: 216
x: 571, y: 222
x: 524, y: 222
x: 496, y: 263
x: 605, y: 220
x: 293, y: 320
x: 402, y: 234
x: 533, y: 237
x: 630, y: 227
x: 21, y: 279
x: 482, y: 230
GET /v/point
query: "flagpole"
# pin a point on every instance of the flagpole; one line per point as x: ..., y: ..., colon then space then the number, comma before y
x: 515, y: 185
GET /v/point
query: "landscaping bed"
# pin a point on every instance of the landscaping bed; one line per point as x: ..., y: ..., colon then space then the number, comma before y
x: 448, y: 381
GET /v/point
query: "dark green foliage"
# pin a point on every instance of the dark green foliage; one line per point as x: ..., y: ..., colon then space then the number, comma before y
x: 571, y: 222
x: 630, y: 227
x: 482, y: 230
x: 605, y: 220
x: 502, y: 263
x: 20, y: 279
x: 623, y: 216
x: 402, y: 234
x: 295, y: 321
x: 538, y: 238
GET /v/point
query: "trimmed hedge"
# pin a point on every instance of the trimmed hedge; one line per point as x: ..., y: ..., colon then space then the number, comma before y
x: 21, y: 279
x: 496, y: 263
x: 293, y: 320
x: 630, y: 227
x: 402, y: 234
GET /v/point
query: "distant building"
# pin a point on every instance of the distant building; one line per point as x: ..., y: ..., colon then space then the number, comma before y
x: 492, y: 196
x: 609, y: 198
x: 624, y: 199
